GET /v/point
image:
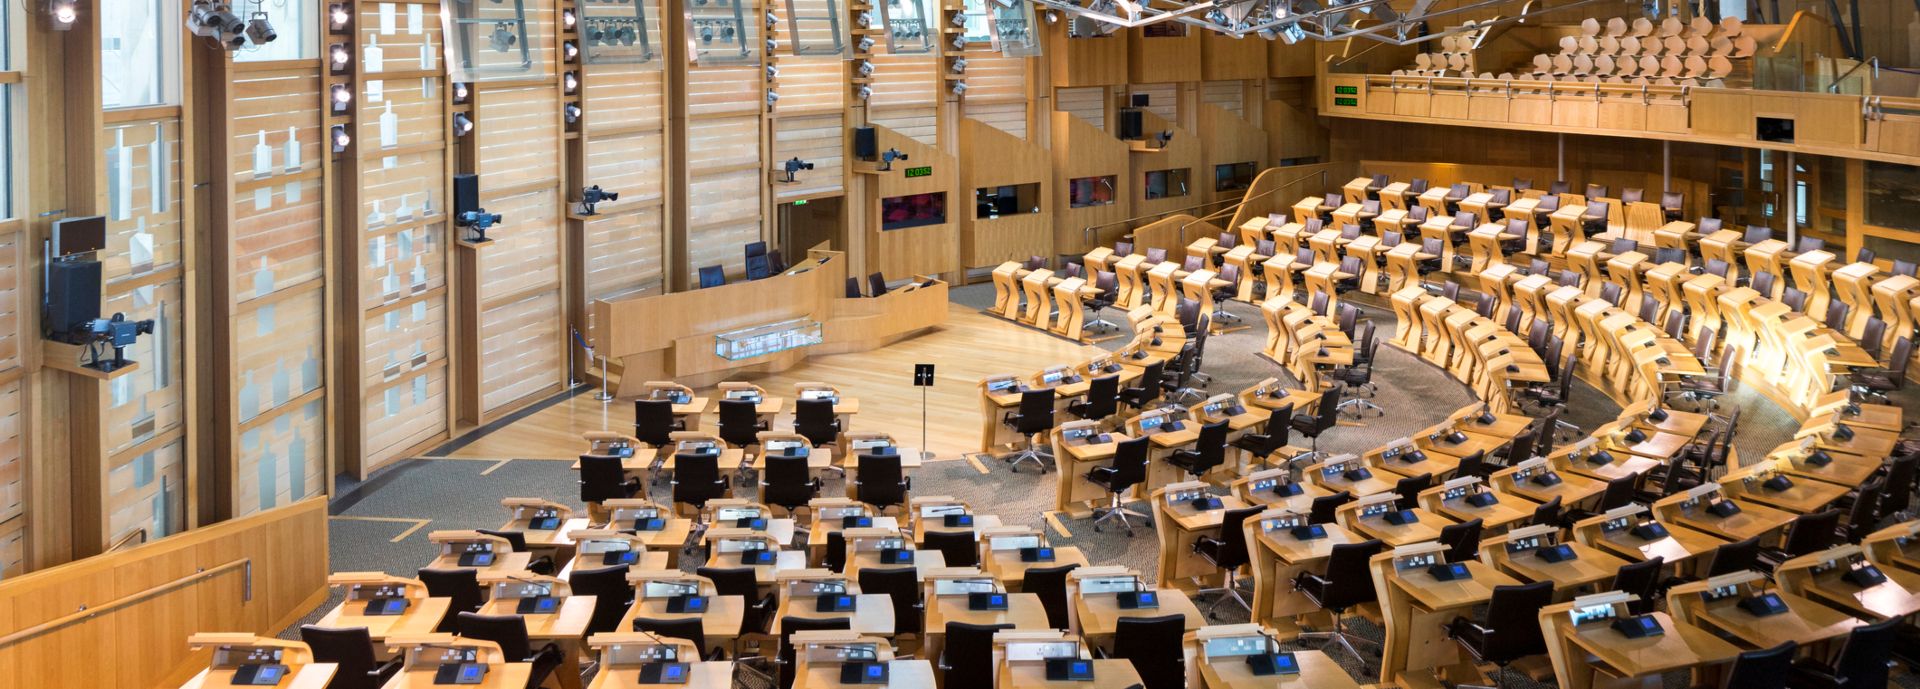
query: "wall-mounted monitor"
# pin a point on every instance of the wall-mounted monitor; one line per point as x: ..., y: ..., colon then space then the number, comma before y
x: 79, y: 235
x: 1090, y: 191
x: 1234, y: 176
x: 1163, y: 184
x: 913, y: 210
x: 1006, y: 199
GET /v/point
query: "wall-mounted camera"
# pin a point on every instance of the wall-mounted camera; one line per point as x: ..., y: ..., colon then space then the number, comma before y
x: 594, y: 195
x: 116, y: 332
x: 478, y: 220
x: 887, y: 157
x: 792, y: 166
x: 467, y: 213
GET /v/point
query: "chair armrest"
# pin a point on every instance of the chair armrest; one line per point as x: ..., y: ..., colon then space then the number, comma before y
x: 906, y: 482
x: 386, y: 670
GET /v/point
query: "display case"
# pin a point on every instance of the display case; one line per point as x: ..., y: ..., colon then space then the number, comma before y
x: 616, y: 32
x: 761, y: 340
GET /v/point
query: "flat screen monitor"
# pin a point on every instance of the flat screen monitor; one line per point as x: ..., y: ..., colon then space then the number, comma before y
x: 79, y: 235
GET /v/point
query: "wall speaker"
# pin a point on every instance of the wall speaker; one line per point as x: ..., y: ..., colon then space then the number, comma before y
x: 466, y: 194
x: 866, y: 143
x: 73, y: 298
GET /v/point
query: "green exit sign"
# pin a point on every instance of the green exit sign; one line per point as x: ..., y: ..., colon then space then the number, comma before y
x: 1346, y: 102
x: 926, y: 171
x: 1346, y: 90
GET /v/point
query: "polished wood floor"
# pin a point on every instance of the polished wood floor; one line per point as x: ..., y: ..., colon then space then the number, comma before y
x: 970, y: 347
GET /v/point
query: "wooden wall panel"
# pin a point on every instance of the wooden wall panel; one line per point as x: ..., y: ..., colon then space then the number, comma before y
x: 263, y: 112
x: 402, y: 264
x: 525, y: 254
x: 277, y: 350
x: 725, y: 176
x: 521, y: 346
x: 625, y: 252
x: 1225, y: 95
x: 921, y: 124
x: 1083, y: 150
x: 416, y: 120
x: 283, y: 458
x: 1162, y: 99
x: 143, y: 220
x: 1089, y: 104
x: 403, y: 191
x: 624, y: 97
x: 404, y: 413
x: 817, y: 139
x: 991, y: 78
x: 279, y: 244
x: 1009, y: 117
x: 725, y: 218
x: 1228, y: 139
x: 904, y: 81
x: 1088, y: 61
x: 1184, y: 152
x: 1226, y: 57
x: 149, y: 401
x: 12, y: 482
x: 629, y: 164
x: 810, y: 86
x: 147, y: 490
x: 404, y: 339
x: 1163, y: 59
x: 10, y: 300
x: 724, y: 90
x: 519, y: 137
x: 926, y: 249
x: 990, y: 241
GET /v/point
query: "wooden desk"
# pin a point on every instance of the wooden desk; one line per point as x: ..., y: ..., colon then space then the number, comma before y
x: 716, y: 674
x: 779, y: 529
x: 1417, y: 608
x: 1805, y: 496
x: 565, y: 628
x: 924, y: 560
x: 1317, y: 671
x: 1074, y: 495
x: 1100, y: 614
x: 1845, y: 470
x: 1677, y: 548
x: 1108, y: 673
x: 651, y: 559
x: 1006, y: 566
x: 872, y: 613
x: 1573, y: 489
x: 817, y: 536
x: 1898, y: 596
x: 1805, y: 622
x: 1024, y: 611
x: 1753, y: 520
x: 762, y: 574
x: 420, y: 618
x: 906, y: 673
x: 1178, y: 527
x: 720, y: 623
x: 303, y: 676
x: 501, y: 676
x: 507, y: 562
x: 1590, y: 567
x: 1509, y: 510
x: 1277, y: 558
x: 1427, y: 528
x: 1681, y: 647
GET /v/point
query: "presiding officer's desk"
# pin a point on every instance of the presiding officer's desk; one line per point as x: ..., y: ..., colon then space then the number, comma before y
x: 1588, y: 653
x: 1379, y: 516
x: 1276, y: 488
x: 945, y: 593
x: 1536, y: 480
x: 258, y: 659
x: 385, y: 605
x: 1007, y: 552
x: 1468, y: 498
x: 819, y: 655
x: 831, y: 515
x: 655, y: 590
x: 1694, y: 509
x: 1078, y: 447
x: 597, y: 548
x: 623, y: 654
x: 1716, y: 604
x: 1416, y: 608
x: 551, y: 613
x: 424, y: 654
x: 1845, y: 577
x: 801, y: 591
x: 1533, y: 554
x: 1220, y: 653
x: 1279, y: 555
x: 1178, y: 521
x: 1635, y: 533
x: 1021, y: 658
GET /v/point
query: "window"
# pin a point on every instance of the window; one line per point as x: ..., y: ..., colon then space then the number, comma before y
x: 907, y: 22
x: 1164, y: 184
x: 813, y: 27
x: 1234, y: 176
x: 1893, y: 196
x: 136, y: 64
x: 913, y: 210
x: 296, y: 23
x: 1164, y: 30
x: 1006, y: 199
x: 1090, y: 191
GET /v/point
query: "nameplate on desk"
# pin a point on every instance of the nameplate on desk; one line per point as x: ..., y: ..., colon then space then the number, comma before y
x: 664, y: 673
x: 1069, y: 670
x: 1040, y: 554
x: 1285, y: 489
x: 856, y: 522
x: 259, y: 675
x: 1638, y: 626
x: 987, y: 601
x: 385, y: 607
x: 1456, y: 437
x: 1449, y: 571
x: 896, y: 556
x: 834, y: 603
x: 1267, y: 664
x: 1763, y: 605
x: 537, y: 605
x: 649, y: 524
x: 1137, y: 600
x: 460, y: 673
x: 687, y: 604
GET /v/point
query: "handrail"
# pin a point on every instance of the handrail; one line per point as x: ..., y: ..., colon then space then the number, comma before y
x: 140, y: 533
x: 1087, y: 233
x: 1874, y: 61
x: 85, y: 613
x: 1322, y: 174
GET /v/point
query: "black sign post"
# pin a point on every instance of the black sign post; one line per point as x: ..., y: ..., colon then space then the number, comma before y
x: 923, y: 379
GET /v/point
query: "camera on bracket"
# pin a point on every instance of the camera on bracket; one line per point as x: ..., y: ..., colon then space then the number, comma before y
x: 477, y: 220
x: 116, y: 332
x: 594, y: 195
x: 791, y: 167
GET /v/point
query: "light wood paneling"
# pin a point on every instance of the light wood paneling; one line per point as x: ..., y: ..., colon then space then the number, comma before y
x: 817, y: 139
x: 1081, y: 150
x: 1228, y: 139
x: 1163, y: 59
x: 1089, y: 61
x: 990, y: 241
x: 1087, y: 103
x: 625, y: 252
x: 1163, y: 100
x: 1009, y: 117
x: 928, y: 249
x: 1183, y: 152
x: 406, y: 412
x: 1226, y: 57
x: 1225, y: 95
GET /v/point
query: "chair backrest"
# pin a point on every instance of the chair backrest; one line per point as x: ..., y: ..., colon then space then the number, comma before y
x: 1129, y: 463
x: 740, y: 422
x: 882, y: 483
x: 1522, y: 183
x: 1103, y: 397
x: 1106, y: 281
x: 1672, y: 200
x: 1735, y: 557
x: 1837, y: 311
x: 1472, y: 465
x: 1073, y: 270
x: 961, y: 548
x: 1409, y: 488
x: 1263, y: 247
x: 653, y: 421
x: 1596, y: 212
x: 1649, y: 308
x: 460, y: 585
x: 1380, y: 180
x: 1390, y: 239
x: 1123, y: 249
x: 1036, y: 411
x: 776, y: 261
x: 1807, y: 244
x: 1462, y: 540
x: 1516, y: 227
x: 1349, y: 231
x: 1558, y: 186
x: 1618, y: 492
x: 1547, y: 514
x: 1632, y: 195
x: 1763, y: 283
x: 1230, y: 273
x: 1669, y: 255
x: 836, y: 556
x: 1860, y: 519
x: 1233, y: 551
x: 787, y: 480
x: 1035, y: 262
x: 1463, y: 220
x: 696, y: 478
x: 1192, y: 263
x: 1451, y: 290
x: 814, y: 419
x: 731, y: 581
x: 1154, y: 645
x: 1351, y: 265
x: 1872, y: 336
x: 1349, y: 315
x: 791, y: 624
x: 1417, y: 214
x: 1319, y: 303
x: 1596, y: 190
x: 759, y: 267
x: 1863, y: 659
x: 853, y: 288
x: 969, y: 654
x: 901, y: 585
x: 1417, y: 185
x: 510, y: 631
x: 1502, y: 196
x: 1328, y: 414
x: 1864, y: 255
x: 1905, y: 267
x: 687, y: 628
x: 1812, y: 532
x: 1050, y: 585
x: 1756, y: 234
x: 1513, y: 613
x: 1156, y: 255
x: 351, y: 648
x: 1150, y: 382
x: 1767, y: 668
x: 601, y: 478
x: 1322, y: 509
x: 1458, y: 191
x: 876, y: 284
x: 1431, y: 245
x: 1546, y: 205
x: 1349, y: 582
x: 1901, y: 471
x: 1611, y: 293
x: 611, y: 595
x: 1902, y: 351
x: 712, y: 276
x: 1641, y: 579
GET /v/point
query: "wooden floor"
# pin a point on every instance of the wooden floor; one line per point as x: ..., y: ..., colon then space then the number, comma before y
x: 970, y: 347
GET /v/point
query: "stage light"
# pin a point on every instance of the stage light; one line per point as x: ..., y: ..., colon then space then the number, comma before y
x: 339, y: 17
x: 260, y: 29
x: 342, y: 99
x: 460, y: 93
x: 568, y: 19
x: 340, y: 138
x: 572, y: 113
x: 462, y: 125
x: 571, y: 50
x: 339, y: 57
x: 63, y: 13
x: 571, y: 82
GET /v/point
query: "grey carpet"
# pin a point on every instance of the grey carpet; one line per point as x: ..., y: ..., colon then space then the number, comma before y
x: 456, y: 494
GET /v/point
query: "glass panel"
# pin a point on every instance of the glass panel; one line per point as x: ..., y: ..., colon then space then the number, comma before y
x: 1013, y: 28
x: 1234, y: 176
x: 297, y: 24
x: 915, y: 210
x: 490, y: 39
x: 1893, y: 196
x: 814, y: 27
x: 612, y: 32
x: 1090, y: 191
x: 719, y: 33
x: 135, y: 60
x: 1163, y: 184
x: 761, y: 340
x: 1009, y: 199
x: 907, y: 22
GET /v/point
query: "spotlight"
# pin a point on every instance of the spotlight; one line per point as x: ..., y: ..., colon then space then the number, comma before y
x: 594, y: 195
x: 260, y: 30
x: 460, y: 93
x: 502, y: 38
x: 772, y: 19
x: 338, y: 17
x: 570, y: 50
x: 773, y: 46
x: 572, y: 112
x: 865, y: 45
x: 863, y: 93
x: 462, y: 125
x: 772, y: 97
x: 959, y: 88
x: 773, y: 72
x: 792, y: 166
x: 959, y: 42
x: 959, y: 19
x: 568, y: 19
x: 1053, y: 17
x: 597, y: 34
x: 959, y: 65
x: 571, y: 82
x: 1163, y: 138
x: 340, y: 138
x: 626, y: 34
x: 865, y: 18
x: 863, y: 68
x: 208, y: 19
x: 342, y: 99
x: 63, y: 13
x: 339, y: 57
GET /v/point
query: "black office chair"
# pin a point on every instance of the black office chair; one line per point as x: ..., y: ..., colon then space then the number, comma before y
x: 815, y: 421
x: 741, y: 581
x: 1149, y: 390
x: 776, y: 262
x: 876, y: 284
x: 1618, y: 493
x: 1262, y: 445
x: 758, y: 265
x: 1767, y: 668
x: 967, y: 660
x: 1153, y: 645
x: 1738, y: 556
x: 1862, y: 661
x: 1102, y: 399
x: 786, y: 483
x: 791, y: 624
x: 1129, y: 468
x: 1050, y: 585
x: 1862, y: 510
x: 959, y: 548
x: 1641, y: 579
x: 1512, y: 627
x: 1409, y: 488
x: 696, y: 479
x: 602, y: 479
x: 1227, y: 553
x: 352, y: 649
x: 853, y: 289
x: 1809, y: 533
x: 1323, y: 508
x: 901, y: 586
x: 1905, y: 267
x: 881, y: 482
x: 1209, y: 451
x: 612, y: 595
x: 1902, y: 471
x: 1357, y: 378
x: 740, y: 423
x: 542, y: 565
x: 1879, y: 382
x: 836, y: 556
x: 1323, y: 420
x: 1347, y: 583
x: 691, y: 629
x: 653, y: 422
x: 1034, y: 419
x: 1547, y: 513
x: 712, y: 276
x: 510, y: 632
x: 462, y: 586
x: 1472, y: 465
x: 1462, y: 540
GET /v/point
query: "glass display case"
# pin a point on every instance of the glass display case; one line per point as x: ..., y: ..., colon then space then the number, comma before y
x: 761, y: 340
x: 616, y: 32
